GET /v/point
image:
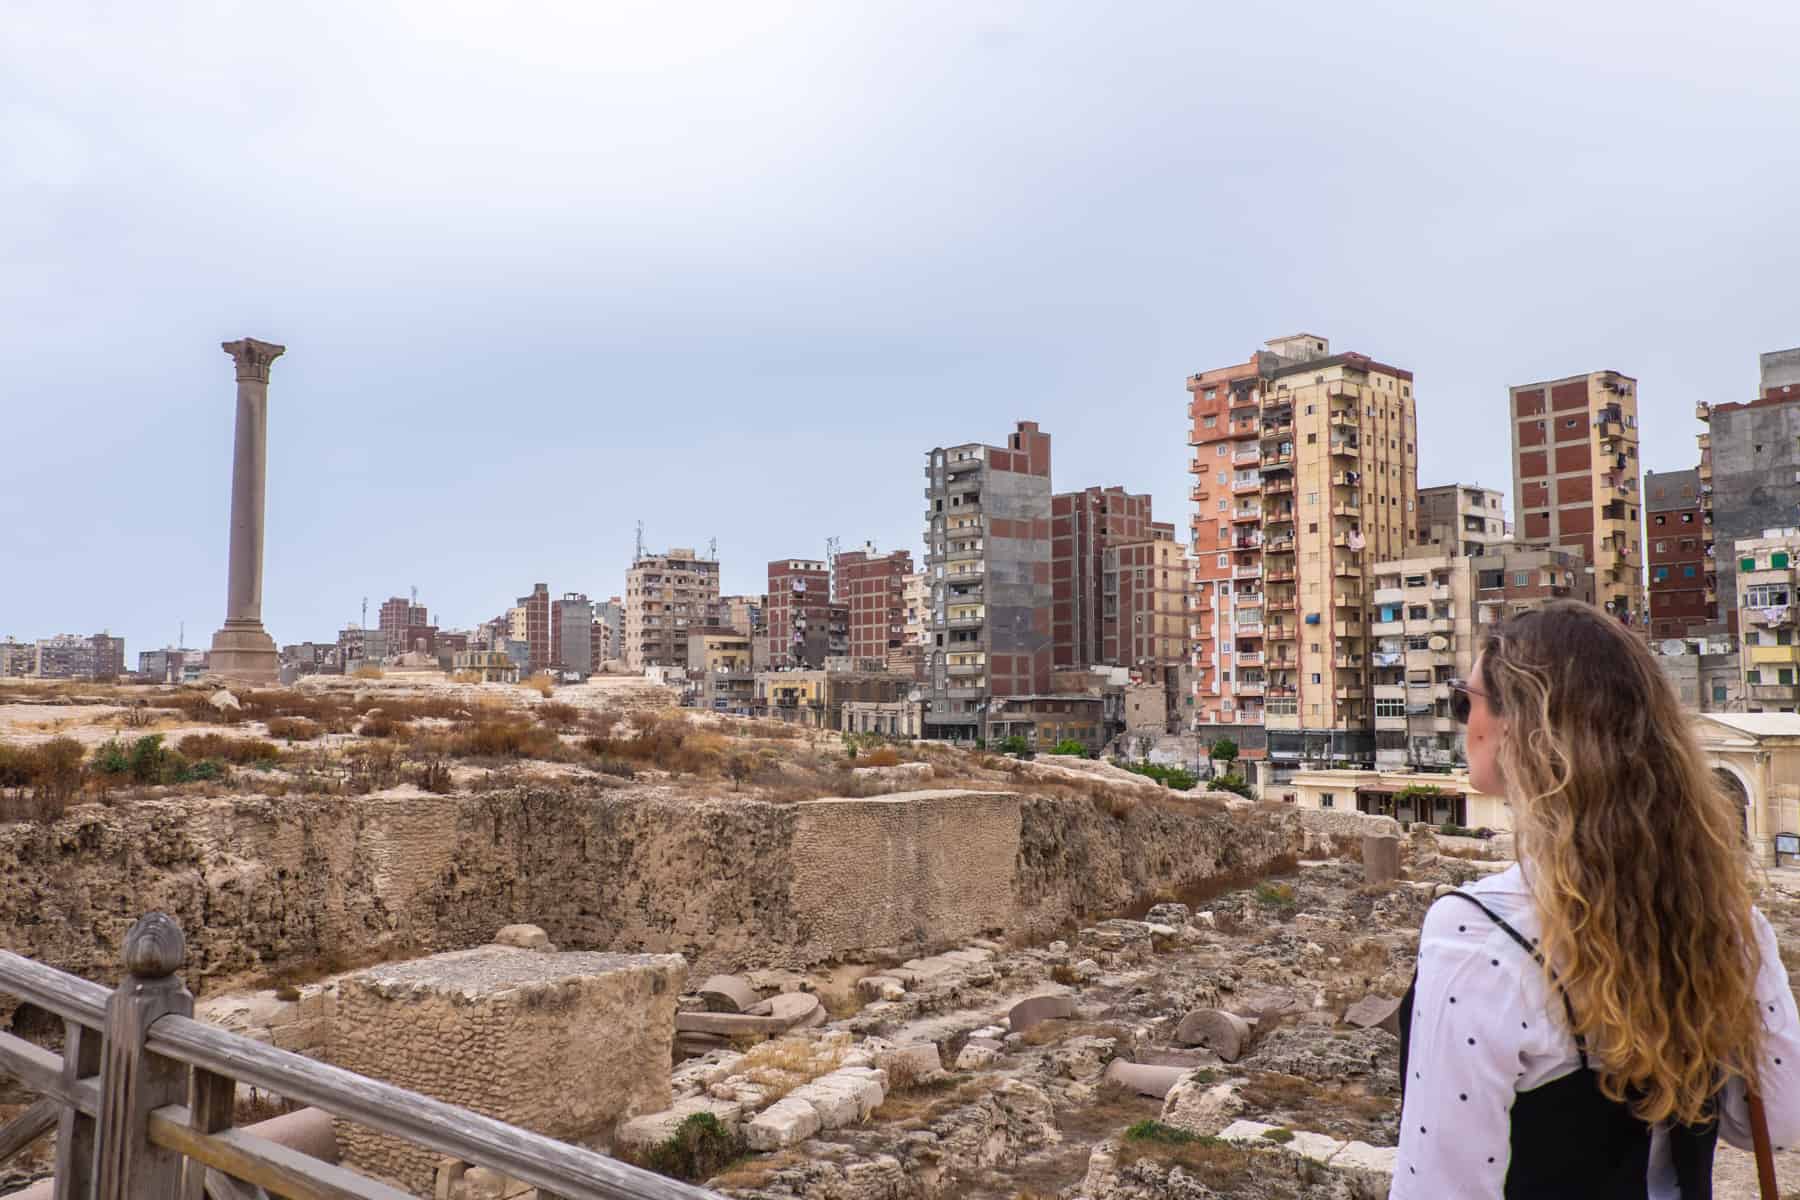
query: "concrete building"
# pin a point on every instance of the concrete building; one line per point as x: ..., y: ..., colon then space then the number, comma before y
x: 1306, y: 474
x: 74, y: 656
x: 530, y: 619
x: 742, y: 613
x: 987, y: 538
x: 666, y: 595
x: 894, y: 719
x: 818, y: 698
x: 1768, y: 612
x: 1083, y: 527
x: 1706, y: 671
x: 572, y: 634
x: 1146, y: 592
x: 398, y: 614
x: 1756, y: 757
x: 872, y: 589
x: 1515, y: 579
x: 609, y: 618
x: 1424, y: 630
x: 487, y: 666
x: 1436, y: 799
x: 1681, y: 566
x: 1462, y: 518
x: 17, y: 659
x: 164, y: 666
x: 799, y: 604
x: 1575, y: 479
x: 1750, y: 468
x: 719, y: 661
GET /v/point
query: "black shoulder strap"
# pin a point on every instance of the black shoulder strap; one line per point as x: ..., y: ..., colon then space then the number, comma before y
x: 1531, y: 948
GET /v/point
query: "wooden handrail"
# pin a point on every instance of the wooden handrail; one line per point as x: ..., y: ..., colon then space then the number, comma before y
x: 125, y: 1131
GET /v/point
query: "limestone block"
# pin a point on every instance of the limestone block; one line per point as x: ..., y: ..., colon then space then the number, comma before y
x: 1360, y: 1156
x: 657, y: 1128
x: 836, y: 1106
x: 975, y: 1056
x: 1200, y: 1108
x: 1221, y: 1032
x: 1381, y: 858
x: 1142, y: 1079
x: 915, y: 1062
x: 1086, y: 969
x: 1038, y: 1009
x: 566, y: 1045
x: 1371, y: 1011
x: 1315, y: 1146
x: 1083, y: 1058
x: 300, y: 1036
x: 881, y: 987
x: 789, y: 1010
x: 728, y: 994
x: 523, y: 937
x: 1169, y: 914
x: 224, y: 701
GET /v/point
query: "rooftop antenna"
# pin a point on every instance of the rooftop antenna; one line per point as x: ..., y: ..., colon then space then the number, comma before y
x: 712, y: 549
x: 415, y: 595
x: 640, y: 542
x: 365, y: 616
x: 831, y: 553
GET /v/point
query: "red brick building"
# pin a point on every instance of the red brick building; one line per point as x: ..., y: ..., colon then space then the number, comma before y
x: 537, y: 628
x: 799, y: 602
x: 872, y: 590
x: 1084, y: 525
x: 1674, y: 532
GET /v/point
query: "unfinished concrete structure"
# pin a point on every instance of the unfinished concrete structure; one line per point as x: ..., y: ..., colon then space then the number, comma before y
x: 572, y: 634
x: 1749, y: 469
x: 242, y: 649
x: 987, y: 538
x: 798, y: 612
x: 1681, y: 565
x: 1462, y: 518
x: 1084, y: 525
x: 566, y: 1045
x: 1575, y: 479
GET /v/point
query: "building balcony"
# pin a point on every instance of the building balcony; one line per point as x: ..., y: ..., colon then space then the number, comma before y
x: 1277, y: 429
x: 1348, y: 662
x: 1441, y: 625
x: 1763, y: 656
x: 1347, y: 600
x: 1785, y: 615
x: 1200, y: 493
x: 1702, y: 411
x: 1250, y: 687
x: 1250, y: 658
x: 1243, y: 516
x: 1776, y: 693
x: 1705, y: 441
x: 1706, y: 473
x: 1440, y: 591
x: 1279, y: 575
x: 1344, y: 418
x: 1279, y: 545
x: 1346, y: 570
x: 1390, y: 691
x: 1389, y: 595
x: 1277, y: 460
x: 1247, y: 457
x: 1346, y: 510
x: 1341, y: 449
x: 1277, y: 486
x: 966, y: 622
x: 1278, y: 633
x: 1390, y: 724
x: 1249, y: 571
x: 1242, y: 487
x: 1350, y: 691
x: 1347, y: 629
x: 1279, y: 604
x: 1250, y: 630
x: 1243, y: 429
x: 965, y: 572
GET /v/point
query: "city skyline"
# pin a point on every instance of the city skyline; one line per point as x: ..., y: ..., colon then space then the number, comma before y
x: 735, y: 295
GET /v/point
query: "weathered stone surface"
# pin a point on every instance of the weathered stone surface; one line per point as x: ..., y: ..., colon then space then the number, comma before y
x: 881, y: 987
x: 524, y: 937
x: 974, y: 1056
x: 914, y: 1062
x: 563, y: 1044
x: 1142, y: 1079
x: 784, y: 1123
x: 1360, y: 1156
x: 1038, y: 1009
x: 789, y: 1010
x: 1381, y: 859
x: 1200, y: 1107
x: 1371, y: 1011
x: 224, y: 701
x: 657, y: 1128
x: 1221, y: 1032
x: 728, y: 994
x: 1172, y: 914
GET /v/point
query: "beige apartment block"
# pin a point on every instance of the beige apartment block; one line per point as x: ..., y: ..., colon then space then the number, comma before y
x: 666, y: 595
x: 1575, y: 480
x: 1422, y: 622
x: 721, y: 658
x: 1766, y: 620
x: 1319, y: 456
x: 1462, y: 518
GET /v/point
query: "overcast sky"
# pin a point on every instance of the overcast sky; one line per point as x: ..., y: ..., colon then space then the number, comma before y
x: 546, y: 270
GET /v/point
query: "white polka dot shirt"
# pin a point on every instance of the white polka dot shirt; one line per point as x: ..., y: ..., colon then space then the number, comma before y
x: 1487, y: 1025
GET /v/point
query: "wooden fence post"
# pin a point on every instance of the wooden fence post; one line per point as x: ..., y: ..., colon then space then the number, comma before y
x: 132, y: 1082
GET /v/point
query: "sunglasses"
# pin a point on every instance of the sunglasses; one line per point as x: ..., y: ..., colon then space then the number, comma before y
x: 1460, y: 704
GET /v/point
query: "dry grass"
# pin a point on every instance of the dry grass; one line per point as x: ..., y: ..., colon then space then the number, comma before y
x: 542, y: 684
x: 294, y: 729
x: 919, y: 1106
x: 780, y: 1066
x: 240, y: 751
x: 367, y: 671
x: 881, y: 756
x: 1222, y: 1166
x: 1051, y: 1032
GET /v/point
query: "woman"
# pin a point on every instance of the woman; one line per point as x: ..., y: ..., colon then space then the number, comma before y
x: 1588, y: 1022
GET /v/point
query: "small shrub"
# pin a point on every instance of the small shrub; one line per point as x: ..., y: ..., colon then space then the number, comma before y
x: 540, y: 683
x: 1275, y: 895
x: 612, y: 766
x: 700, y: 1148
x: 146, y: 758
x: 1064, y: 974
x: 1156, y: 1131
x: 1016, y: 745
x: 434, y: 776
x: 367, y: 671
x: 1070, y: 748
x: 739, y: 767
x: 382, y: 726
x: 1236, y: 784
x: 241, y: 752
x: 42, y: 779
x: 1178, y: 779
x: 138, y: 716
x: 1280, y: 1137
x: 293, y: 729
x: 112, y: 758
x: 558, y: 715
x: 882, y: 756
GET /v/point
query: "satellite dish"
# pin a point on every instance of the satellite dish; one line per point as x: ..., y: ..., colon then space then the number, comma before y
x: 1439, y: 643
x: 1673, y: 646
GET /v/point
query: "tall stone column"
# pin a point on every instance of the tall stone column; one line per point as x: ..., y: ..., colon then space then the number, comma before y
x: 242, y: 649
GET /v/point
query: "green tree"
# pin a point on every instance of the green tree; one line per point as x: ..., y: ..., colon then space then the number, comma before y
x: 1224, y: 750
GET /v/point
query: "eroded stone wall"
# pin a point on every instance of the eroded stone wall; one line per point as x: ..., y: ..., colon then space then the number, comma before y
x: 260, y: 884
x: 564, y: 1044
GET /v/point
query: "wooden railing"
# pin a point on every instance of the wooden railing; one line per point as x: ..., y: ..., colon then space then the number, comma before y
x: 141, y: 1099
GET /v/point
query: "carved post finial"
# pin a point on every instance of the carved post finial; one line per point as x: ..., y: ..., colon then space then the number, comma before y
x: 253, y: 357
x: 154, y: 947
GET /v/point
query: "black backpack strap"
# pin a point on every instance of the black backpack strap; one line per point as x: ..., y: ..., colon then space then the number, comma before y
x: 1530, y: 948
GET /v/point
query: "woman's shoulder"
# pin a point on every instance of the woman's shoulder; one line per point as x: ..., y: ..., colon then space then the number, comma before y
x: 1472, y: 908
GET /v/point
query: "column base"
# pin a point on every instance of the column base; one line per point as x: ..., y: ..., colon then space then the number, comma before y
x: 244, y: 652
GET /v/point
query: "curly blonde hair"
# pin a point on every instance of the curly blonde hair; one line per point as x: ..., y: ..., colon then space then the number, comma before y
x: 1634, y: 855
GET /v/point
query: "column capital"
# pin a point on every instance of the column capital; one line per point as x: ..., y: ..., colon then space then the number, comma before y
x: 253, y: 358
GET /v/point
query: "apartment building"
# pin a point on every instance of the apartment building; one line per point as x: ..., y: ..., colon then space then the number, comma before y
x: 871, y: 588
x: 1084, y: 525
x: 165, y: 665
x: 74, y: 656
x: 719, y: 659
x: 398, y: 614
x: 1575, y: 479
x: 17, y: 659
x: 1749, y: 477
x: 572, y: 634
x: 1514, y: 579
x: 1462, y: 518
x: 609, y: 631
x: 666, y: 595
x: 1767, y: 615
x: 987, y: 538
x: 531, y: 624
x: 799, y: 603
x: 1681, y: 570
x: 1306, y: 474
x: 1146, y: 591
x: 1424, y: 633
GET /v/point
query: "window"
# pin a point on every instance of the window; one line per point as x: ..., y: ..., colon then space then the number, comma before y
x: 1209, y: 422
x: 1687, y: 518
x: 1766, y: 595
x: 1312, y: 527
x: 1223, y: 476
x: 1689, y: 571
x: 1661, y: 546
x: 1689, y: 544
x: 1753, y: 676
x: 1658, y: 574
x: 1224, y: 560
x: 1521, y: 578
x: 1718, y: 693
x: 1312, y: 439
x: 1785, y: 675
x: 1223, y: 504
x: 1418, y: 641
x: 1661, y: 520
x: 1784, y: 637
x: 1315, y: 677
x: 1220, y: 452
x: 1327, y: 800
x: 1390, y: 708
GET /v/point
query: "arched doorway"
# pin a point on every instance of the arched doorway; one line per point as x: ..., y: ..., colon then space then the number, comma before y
x: 1734, y: 788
